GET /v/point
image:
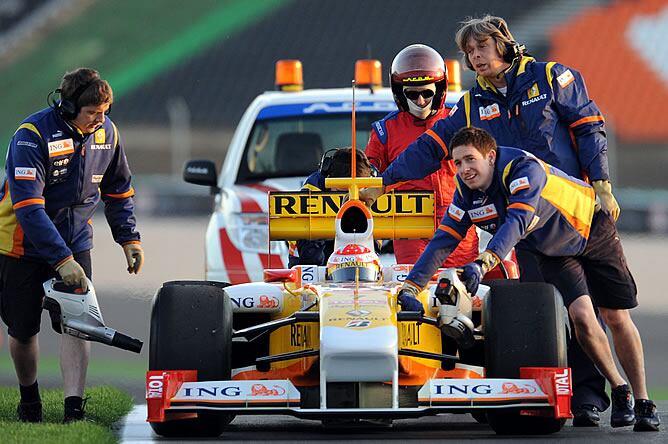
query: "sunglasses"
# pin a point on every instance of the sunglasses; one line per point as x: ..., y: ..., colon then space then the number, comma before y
x: 413, y: 95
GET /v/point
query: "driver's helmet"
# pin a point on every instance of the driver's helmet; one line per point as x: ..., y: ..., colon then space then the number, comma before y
x: 353, y: 262
x: 417, y: 65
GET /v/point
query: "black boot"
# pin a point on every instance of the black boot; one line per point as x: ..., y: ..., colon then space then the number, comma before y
x: 30, y: 407
x: 647, y: 418
x: 622, y: 407
x: 29, y: 411
x: 586, y: 416
x: 74, y: 409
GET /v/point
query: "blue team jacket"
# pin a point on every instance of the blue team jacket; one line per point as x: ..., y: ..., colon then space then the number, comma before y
x: 55, y: 178
x: 546, y: 111
x: 529, y: 201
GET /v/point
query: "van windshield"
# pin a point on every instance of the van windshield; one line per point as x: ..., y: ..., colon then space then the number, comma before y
x: 293, y: 146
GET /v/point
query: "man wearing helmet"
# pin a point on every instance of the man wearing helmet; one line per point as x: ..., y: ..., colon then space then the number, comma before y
x: 419, y: 82
x: 353, y: 262
x: 542, y: 108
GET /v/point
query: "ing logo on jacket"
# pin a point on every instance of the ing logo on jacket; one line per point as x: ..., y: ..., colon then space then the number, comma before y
x: 489, y: 112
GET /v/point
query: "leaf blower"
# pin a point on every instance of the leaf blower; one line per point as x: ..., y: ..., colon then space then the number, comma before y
x: 78, y: 314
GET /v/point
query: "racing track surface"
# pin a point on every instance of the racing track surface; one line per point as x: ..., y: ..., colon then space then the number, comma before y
x: 278, y: 429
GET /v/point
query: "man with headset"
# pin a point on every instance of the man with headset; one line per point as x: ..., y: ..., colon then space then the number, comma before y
x: 419, y: 82
x: 61, y: 161
x: 542, y: 108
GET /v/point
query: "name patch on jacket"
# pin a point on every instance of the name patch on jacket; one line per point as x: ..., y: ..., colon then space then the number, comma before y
x: 519, y: 184
x: 26, y: 143
x: 489, y: 112
x: 60, y: 147
x: 97, y: 178
x: 455, y: 212
x: 483, y: 213
x: 566, y: 78
x: 25, y: 173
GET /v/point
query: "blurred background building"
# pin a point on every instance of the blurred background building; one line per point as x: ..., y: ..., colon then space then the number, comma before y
x: 182, y: 76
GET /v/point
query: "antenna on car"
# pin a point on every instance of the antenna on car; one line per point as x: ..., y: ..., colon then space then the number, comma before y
x: 353, y: 152
x: 353, y: 183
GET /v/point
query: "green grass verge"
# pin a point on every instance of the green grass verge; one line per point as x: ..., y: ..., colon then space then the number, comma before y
x: 106, y: 406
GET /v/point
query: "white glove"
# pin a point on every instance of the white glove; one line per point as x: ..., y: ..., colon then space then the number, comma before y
x: 134, y: 255
x: 73, y: 274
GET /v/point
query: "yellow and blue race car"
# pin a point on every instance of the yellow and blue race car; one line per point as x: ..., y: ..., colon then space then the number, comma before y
x: 332, y: 343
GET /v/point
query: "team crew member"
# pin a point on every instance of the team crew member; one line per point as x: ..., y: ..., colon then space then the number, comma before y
x: 520, y: 199
x: 335, y: 163
x: 61, y: 161
x: 542, y: 108
x: 419, y: 82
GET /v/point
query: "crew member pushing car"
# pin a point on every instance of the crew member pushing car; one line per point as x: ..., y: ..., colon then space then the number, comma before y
x: 523, y: 200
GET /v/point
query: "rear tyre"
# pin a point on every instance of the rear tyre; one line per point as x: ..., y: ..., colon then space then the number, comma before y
x: 191, y: 329
x: 524, y: 326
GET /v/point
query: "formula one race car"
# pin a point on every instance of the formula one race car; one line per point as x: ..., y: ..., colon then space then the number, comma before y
x: 331, y: 342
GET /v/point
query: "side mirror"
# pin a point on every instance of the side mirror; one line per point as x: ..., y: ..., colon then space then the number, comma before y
x: 201, y: 172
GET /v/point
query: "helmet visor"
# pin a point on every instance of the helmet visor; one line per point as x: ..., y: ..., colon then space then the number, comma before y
x: 363, y: 273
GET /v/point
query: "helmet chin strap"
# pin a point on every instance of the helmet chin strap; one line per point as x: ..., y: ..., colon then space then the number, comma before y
x: 419, y: 112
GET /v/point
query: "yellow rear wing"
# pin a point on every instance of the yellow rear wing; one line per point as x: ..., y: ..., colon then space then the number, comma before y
x: 312, y: 214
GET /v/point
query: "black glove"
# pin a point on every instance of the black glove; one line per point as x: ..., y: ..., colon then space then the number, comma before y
x: 471, y: 276
x: 408, y: 301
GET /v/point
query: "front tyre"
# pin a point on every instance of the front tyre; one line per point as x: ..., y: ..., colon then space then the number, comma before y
x: 191, y: 329
x: 524, y: 326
